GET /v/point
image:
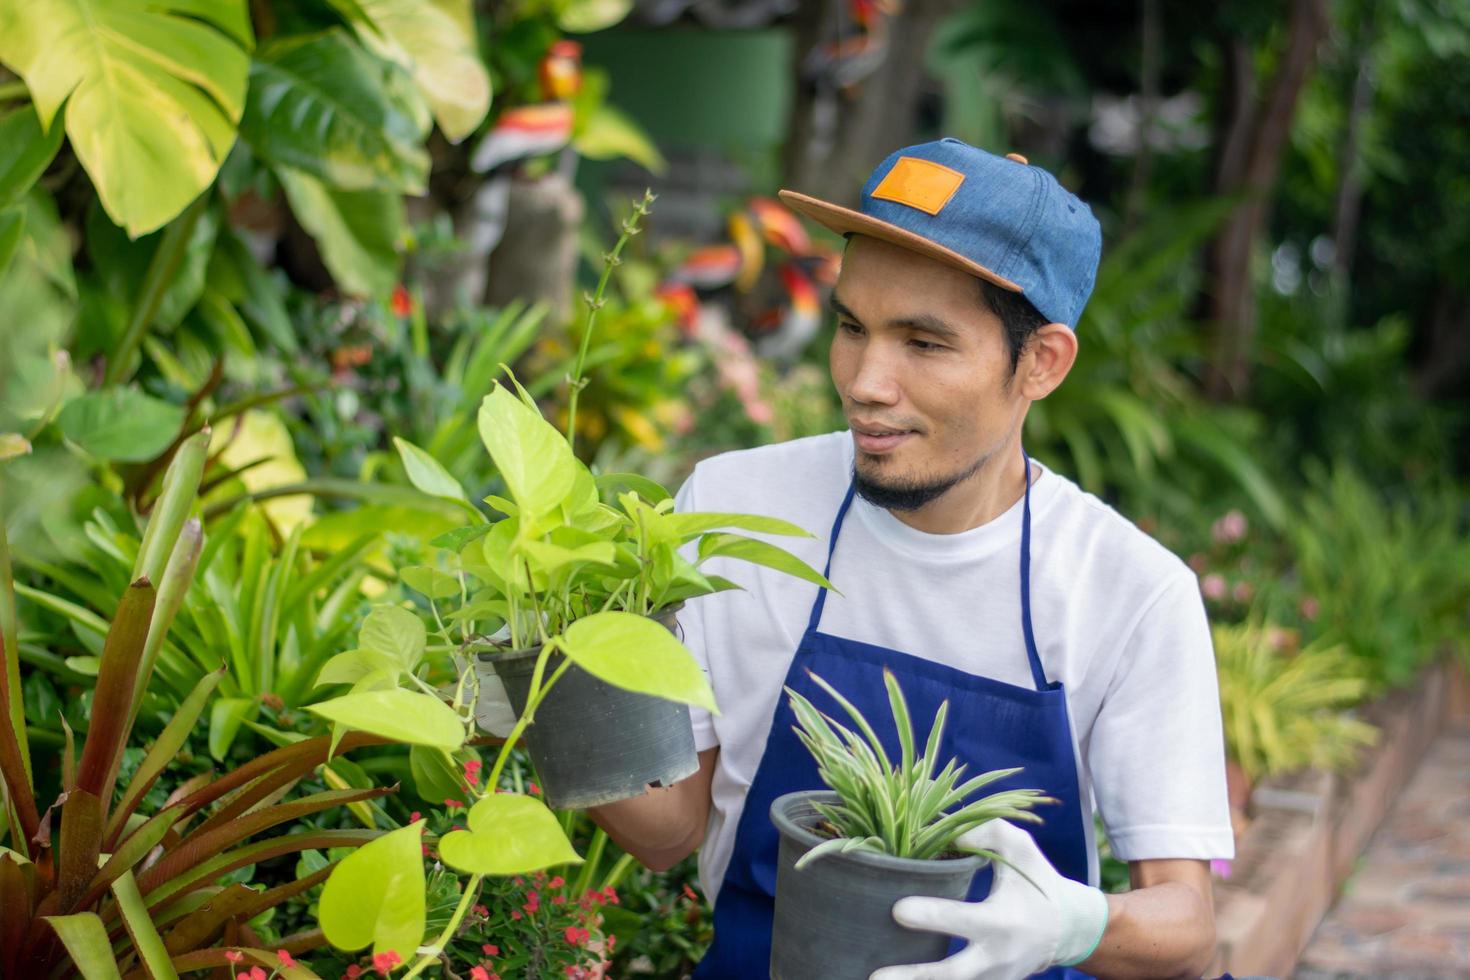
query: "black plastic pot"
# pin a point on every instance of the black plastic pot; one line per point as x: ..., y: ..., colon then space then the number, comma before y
x: 834, y: 917
x: 593, y: 743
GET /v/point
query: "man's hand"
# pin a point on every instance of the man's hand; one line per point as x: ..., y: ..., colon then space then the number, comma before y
x: 1023, y: 927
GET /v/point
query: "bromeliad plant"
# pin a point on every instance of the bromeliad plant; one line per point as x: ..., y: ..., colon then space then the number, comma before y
x: 93, y: 878
x: 905, y: 809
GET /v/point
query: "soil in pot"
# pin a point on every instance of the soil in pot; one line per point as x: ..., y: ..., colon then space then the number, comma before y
x: 834, y: 917
x: 593, y: 743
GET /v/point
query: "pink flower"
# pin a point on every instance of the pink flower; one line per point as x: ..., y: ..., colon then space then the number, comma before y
x: 479, y: 973
x: 611, y: 941
x: 1310, y: 609
x: 353, y: 972
x: 533, y: 789
x: 256, y: 973
x: 414, y: 817
x: 1230, y: 528
x: 234, y: 955
x: 490, y: 949
x: 285, y: 958
x: 576, y: 935
x: 454, y: 804
x: 533, y: 902
x: 1213, y: 586
x: 472, y: 771
x: 385, y: 962
x: 556, y: 882
x: 483, y: 913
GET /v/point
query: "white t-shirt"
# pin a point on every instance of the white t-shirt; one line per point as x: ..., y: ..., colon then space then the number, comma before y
x: 1118, y: 620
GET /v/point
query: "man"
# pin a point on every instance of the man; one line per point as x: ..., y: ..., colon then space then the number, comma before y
x: 1066, y: 640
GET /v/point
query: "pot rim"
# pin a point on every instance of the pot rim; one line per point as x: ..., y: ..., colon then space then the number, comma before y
x: 487, y: 652
x: 788, y: 826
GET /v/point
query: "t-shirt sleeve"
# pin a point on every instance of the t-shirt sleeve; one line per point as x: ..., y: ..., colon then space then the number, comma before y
x: 691, y: 628
x: 1156, y: 752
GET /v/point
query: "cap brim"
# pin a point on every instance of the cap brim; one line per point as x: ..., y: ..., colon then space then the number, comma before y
x: 846, y: 221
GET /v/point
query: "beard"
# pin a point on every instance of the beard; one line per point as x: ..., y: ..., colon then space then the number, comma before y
x: 913, y: 493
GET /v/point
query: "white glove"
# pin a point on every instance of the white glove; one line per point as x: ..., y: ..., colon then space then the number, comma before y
x: 1019, y: 929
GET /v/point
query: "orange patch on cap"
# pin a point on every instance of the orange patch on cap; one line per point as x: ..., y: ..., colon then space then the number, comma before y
x: 920, y: 184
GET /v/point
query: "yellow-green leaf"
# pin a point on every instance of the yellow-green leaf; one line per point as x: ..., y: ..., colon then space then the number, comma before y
x: 637, y: 654
x: 509, y: 834
x: 410, y: 717
x: 153, y: 92
x: 376, y: 895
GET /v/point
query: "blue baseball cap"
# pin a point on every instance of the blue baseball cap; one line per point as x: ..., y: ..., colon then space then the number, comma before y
x: 998, y: 218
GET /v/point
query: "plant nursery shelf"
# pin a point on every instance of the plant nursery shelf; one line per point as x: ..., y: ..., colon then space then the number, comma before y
x: 1307, y: 830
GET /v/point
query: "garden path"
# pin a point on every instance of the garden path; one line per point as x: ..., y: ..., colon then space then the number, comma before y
x: 1405, y: 913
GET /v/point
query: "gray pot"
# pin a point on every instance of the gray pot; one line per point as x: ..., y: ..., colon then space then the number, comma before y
x: 593, y: 743
x: 834, y: 917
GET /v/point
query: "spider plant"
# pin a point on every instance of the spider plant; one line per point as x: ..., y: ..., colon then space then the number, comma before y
x: 905, y: 810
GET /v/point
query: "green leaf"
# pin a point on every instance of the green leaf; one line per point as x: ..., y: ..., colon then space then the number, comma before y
x: 460, y: 536
x: 376, y: 895
x: 121, y: 424
x: 532, y: 456
x: 427, y: 473
x: 508, y: 834
x: 358, y: 232
x: 436, y: 583
x: 146, y: 939
x: 608, y: 133
x: 396, y: 632
x: 690, y: 525
x: 410, y: 717
x: 435, y: 41
x: 353, y: 665
x: 759, y: 553
x: 25, y: 152
x: 225, y: 717
x: 322, y: 105
x: 435, y: 776
x: 649, y: 490
x: 586, y: 16
x: 12, y: 230
x: 85, y: 939
x: 637, y: 654
x: 153, y: 92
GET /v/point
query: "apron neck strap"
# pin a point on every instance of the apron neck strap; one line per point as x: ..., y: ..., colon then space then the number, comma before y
x: 1037, y: 673
x: 816, y: 617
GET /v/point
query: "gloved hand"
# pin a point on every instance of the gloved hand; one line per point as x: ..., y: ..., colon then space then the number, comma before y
x: 1019, y: 929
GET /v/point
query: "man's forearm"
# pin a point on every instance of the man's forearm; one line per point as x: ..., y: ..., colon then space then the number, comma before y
x: 665, y: 825
x: 1165, y: 930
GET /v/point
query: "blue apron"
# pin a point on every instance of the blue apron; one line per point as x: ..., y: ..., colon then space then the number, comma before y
x: 991, y: 725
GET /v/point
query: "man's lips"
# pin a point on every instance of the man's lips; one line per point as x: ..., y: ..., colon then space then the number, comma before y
x: 879, y: 439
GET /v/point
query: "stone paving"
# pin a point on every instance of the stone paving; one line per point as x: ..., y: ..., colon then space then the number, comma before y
x: 1405, y: 912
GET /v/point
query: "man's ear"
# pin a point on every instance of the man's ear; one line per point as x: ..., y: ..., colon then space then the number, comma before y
x: 1048, y: 357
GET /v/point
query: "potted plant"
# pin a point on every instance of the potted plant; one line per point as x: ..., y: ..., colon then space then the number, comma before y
x: 568, y: 599
x: 884, y: 831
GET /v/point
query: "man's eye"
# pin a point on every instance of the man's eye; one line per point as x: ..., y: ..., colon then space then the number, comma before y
x: 847, y: 326
x: 925, y: 345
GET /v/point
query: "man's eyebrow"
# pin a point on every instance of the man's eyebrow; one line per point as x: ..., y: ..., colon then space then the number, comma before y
x: 927, y: 322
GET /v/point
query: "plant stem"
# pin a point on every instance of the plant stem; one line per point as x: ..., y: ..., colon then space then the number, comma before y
x: 160, y: 275
x: 472, y: 888
x: 594, y: 304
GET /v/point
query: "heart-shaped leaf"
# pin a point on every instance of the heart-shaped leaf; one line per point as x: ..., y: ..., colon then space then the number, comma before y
x: 410, y: 717
x: 532, y: 456
x: 509, y: 834
x: 637, y: 654
x: 376, y: 895
x: 427, y: 473
x: 396, y: 632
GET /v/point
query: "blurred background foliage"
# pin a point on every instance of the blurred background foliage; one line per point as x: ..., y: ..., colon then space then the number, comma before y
x: 317, y: 226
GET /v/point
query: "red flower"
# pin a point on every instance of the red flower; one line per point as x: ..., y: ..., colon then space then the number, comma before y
x: 385, y: 962
x: 609, y: 894
x: 472, y: 769
x: 353, y: 972
x: 576, y: 935
x: 234, y: 955
x: 414, y: 817
x: 479, y: 973
x: 490, y: 949
x: 556, y: 882
x: 533, y: 789
x: 514, y: 914
x: 533, y: 902
x: 482, y: 912
x: 689, y: 893
x: 611, y: 942
x: 285, y: 958
x: 256, y: 973
x: 454, y: 804
x: 402, y: 303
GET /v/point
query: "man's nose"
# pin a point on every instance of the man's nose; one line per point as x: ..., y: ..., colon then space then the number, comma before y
x: 875, y: 382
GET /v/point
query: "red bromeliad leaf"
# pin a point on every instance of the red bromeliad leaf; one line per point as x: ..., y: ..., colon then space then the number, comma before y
x: 122, y: 653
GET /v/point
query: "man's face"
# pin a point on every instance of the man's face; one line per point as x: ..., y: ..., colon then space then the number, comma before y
x: 923, y: 370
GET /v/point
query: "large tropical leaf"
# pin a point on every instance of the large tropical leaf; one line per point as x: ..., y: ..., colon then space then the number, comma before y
x: 357, y: 231
x: 323, y: 105
x: 435, y: 41
x: 153, y: 92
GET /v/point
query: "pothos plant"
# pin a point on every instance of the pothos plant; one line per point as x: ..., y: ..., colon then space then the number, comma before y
x: 574, y: 567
